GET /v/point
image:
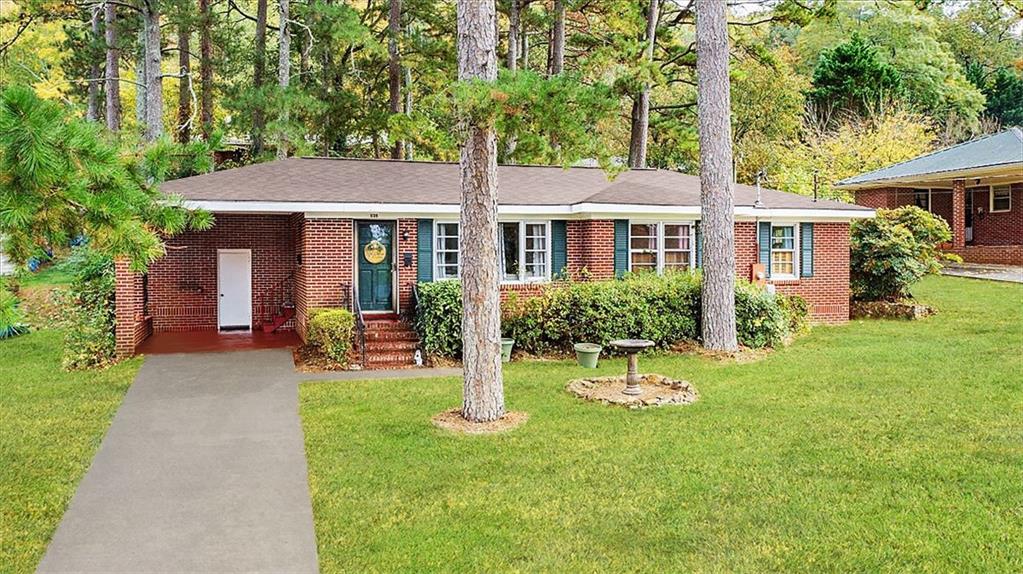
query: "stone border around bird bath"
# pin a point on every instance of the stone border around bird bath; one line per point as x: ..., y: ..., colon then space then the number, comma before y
x: 654, y: 391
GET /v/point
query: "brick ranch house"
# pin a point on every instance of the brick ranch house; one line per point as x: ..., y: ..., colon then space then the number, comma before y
x: 977, y: 187
x: 303, y: 233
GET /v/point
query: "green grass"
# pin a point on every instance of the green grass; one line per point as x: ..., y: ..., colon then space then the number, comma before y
x: 875, y: 446
x: 51, y: 424
x: 49, y: 276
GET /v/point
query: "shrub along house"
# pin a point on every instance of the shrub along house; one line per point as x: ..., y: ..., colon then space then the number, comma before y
x: 977, y: 187
x: 303, y: 233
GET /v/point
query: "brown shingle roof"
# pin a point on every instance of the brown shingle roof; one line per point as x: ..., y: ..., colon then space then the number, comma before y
x: 412, y: 182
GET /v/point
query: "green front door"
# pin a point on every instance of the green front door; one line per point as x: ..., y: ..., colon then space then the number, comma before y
x: 375, y: 262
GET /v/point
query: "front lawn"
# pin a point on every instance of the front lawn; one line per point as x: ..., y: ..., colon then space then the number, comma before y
x: 51, y: 424
x: 879, y: 445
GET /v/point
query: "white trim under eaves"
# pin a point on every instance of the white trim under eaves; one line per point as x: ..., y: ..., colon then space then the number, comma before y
x: 577, y: 211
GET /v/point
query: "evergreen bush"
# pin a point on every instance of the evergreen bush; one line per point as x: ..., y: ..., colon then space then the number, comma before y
x: 330, y: 329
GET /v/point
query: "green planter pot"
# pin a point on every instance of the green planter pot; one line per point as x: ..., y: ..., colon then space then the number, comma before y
x: 586, y: 354
x: 506, y: 349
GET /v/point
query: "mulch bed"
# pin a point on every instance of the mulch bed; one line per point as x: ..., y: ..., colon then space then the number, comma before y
x: 889, y: 310
x: 453, y: 421
x: 657, y: 390
x: 309, y: 359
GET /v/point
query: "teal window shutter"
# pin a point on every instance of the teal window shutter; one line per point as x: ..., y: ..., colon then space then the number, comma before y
x: 765, y: 246
x: 806, y: 250
x: 559, y: 248
x: 424, y: 250
x: 621, y: 247
x: 699, y: 245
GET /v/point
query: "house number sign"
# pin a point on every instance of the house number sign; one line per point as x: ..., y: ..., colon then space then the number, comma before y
x: 375, y: 252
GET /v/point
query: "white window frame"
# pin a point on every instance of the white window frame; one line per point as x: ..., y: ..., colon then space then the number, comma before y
x: 991, y: 199
x: 660, y: 242
x: 437, y: 260
x: 796, y: 253
x: 522, y: 279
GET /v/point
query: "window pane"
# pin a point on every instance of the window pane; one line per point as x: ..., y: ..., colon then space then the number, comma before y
x: 644, y: 243
x: 782, y: 263
x: 509, y: 251
x: 676, y: 237
x: 922, y: 199
x: 644, y: 261
x: 676, y: 259
x: 643, y: 230
x: 782, y: 237
x: 448, y: 258
x: 1002, y: 198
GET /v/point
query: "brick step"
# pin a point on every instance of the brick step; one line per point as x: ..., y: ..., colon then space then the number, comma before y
x: 373, y: 347
x: 391, y: 336
x: 388, y: 326
x: 376, y: 359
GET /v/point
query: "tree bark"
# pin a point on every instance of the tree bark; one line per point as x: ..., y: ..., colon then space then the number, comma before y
x: 483, y: 388
x: 558, y: 39
x: 641, y: 102
x: 394, y: 69
x: 206, y: 68
x: 113, y: 69
x: 718, y: 228
x: 95, y: 69
x: 284, y: 69
x: 408, y: 108
x: 154, y: 77
x: 258, y: 71
x: 184, y: 128
x: 513, y: 35
x: 142, y: 78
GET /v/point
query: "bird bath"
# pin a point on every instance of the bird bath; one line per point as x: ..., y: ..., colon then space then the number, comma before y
x: 632, y: 347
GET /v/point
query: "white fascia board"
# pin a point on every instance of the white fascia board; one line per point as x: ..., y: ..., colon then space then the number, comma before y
x: 578, y: 211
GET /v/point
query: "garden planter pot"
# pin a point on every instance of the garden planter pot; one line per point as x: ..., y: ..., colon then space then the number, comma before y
x: 506, y: 349
x: 586, y: 354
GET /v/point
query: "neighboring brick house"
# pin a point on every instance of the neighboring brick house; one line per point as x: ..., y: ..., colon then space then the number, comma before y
x: 303, y: 233
x: 977, y: 187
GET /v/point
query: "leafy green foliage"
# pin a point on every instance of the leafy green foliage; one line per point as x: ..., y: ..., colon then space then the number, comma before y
x: 439, y: 318
x: 851, y: 77
x: 894, y: 250
x: 11, y: 318
x: 61, y: 178
x: 664, y: 309
x: 330, y: 330
x: 1005, y: 97
x: 88, y: 305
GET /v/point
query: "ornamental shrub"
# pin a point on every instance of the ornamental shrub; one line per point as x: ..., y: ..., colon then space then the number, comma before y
x: 88, y: 311
x: 894, y: 250
x: 439, y: 318
x: 664, y: 309
x: 330, y: 330
x: 11, y: 318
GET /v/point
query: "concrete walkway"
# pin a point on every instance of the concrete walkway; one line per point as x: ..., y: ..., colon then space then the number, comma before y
x: 202, y: 470
x: 1011, y: 273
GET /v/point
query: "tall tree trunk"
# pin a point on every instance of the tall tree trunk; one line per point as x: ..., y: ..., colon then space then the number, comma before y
x: 394, y: 69
x: 258, y: 71
x: 558, y: 39
x: 154, y: 77
x: 95, y: 68
x: 113, y: 69
x: 141, y: 77
x: 513, y: 35
x: 284, y: 70
x: 525, y: 44
x: 206, y: 68
x: 713, y: 101
x: 408, y: 108
x: 184, y: 128
x: 641, y: 102
x: 483, y: 388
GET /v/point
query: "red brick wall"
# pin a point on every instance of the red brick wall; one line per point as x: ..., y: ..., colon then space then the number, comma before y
x: 324, y: 278
x: 408, y: 245
x: 827, y: 291
x: 1001, y: 228
x: 183, y: 291
x: 131, y: 325
x: 591, y: 247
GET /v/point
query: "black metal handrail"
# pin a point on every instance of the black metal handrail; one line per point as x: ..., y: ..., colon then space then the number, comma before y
x: 360, y: 322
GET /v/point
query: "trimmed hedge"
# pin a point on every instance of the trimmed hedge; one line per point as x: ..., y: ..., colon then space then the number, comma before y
x: 664, y: 309
x: 330, y: 330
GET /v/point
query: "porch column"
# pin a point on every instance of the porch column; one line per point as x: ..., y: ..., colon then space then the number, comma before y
x: 127, y: 307
x: 958, y: 214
